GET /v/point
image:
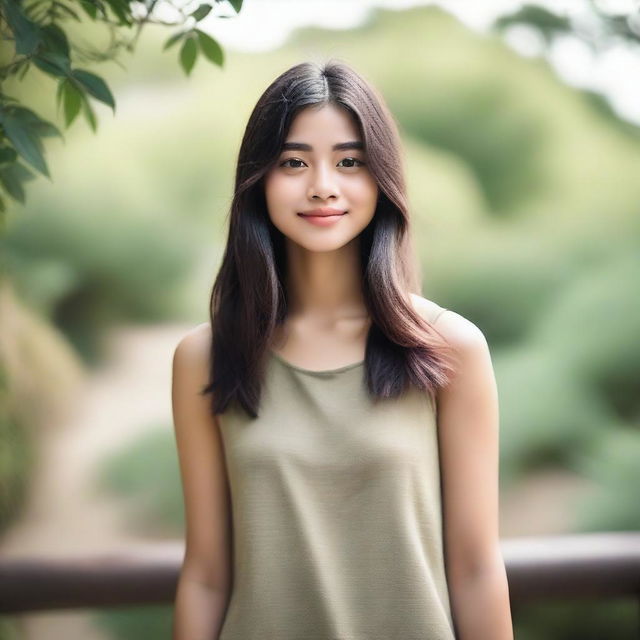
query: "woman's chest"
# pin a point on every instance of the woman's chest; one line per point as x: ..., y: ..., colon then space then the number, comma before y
x: 328, y: 424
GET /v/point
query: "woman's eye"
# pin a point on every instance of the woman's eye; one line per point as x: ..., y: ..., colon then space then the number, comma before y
x: 360, y: 163
x: 349, y: 166
x: 284, y: 164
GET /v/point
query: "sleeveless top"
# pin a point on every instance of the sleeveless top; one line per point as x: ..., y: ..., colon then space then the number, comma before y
x: 336, y: 511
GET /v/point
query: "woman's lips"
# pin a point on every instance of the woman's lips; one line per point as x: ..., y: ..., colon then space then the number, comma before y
x: 323, y: 211
x: 322, y: 221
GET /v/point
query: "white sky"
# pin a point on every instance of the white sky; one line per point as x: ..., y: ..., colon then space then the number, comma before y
x: 263, y: 25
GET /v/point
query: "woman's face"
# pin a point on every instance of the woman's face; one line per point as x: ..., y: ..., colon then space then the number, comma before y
x: 314, y: 174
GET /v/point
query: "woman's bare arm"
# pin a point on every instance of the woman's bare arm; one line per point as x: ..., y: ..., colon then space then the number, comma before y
x: 205, y: 579
x: 468, y: 428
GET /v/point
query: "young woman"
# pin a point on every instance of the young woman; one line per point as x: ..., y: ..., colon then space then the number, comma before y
x: 337, y: 432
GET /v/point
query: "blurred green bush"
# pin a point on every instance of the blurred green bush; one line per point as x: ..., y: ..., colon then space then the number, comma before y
x: 87, y: 270
x: 136, y: 623
x: 146, y: 476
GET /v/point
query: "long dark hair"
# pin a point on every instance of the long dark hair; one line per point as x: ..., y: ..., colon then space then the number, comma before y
x: 248, y: 299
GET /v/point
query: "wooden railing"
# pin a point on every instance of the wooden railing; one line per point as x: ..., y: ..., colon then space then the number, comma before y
x: 603, y: 565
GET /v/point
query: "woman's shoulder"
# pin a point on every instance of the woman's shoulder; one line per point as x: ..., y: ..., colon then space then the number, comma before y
x: 428, y: 309
x: 457, y: 330
x: 195, y: 344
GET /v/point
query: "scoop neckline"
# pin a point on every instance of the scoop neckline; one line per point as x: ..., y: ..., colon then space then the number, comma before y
x: 295, y: 367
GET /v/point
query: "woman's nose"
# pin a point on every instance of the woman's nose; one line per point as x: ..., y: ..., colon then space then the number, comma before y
x: 323, y: 183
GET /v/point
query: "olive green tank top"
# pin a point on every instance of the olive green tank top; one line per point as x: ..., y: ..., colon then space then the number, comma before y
x: 336, y: 510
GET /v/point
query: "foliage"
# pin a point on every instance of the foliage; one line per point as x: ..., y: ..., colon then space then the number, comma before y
x: 612, y: 465
x: 594, y: 324
x: 606, y: 27
x: 547, y: 415
x: 147, y: 476
x: 16, y: 461
x: 85, y: 275
x: 39, y: 38
x: 9, y: 628
x: 133, y: 623
x: 588, y: 619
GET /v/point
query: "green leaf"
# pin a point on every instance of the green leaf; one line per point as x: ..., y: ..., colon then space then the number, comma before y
x: 188, y: 54
x: 236, y: 4
x: 11, y: 186
x: 70, y: 12
x: 55, y: 40
x: 26, y: 142
x: 90, y: 8
x: 56, y: 64
x: 7, y: 154
x: 23, y: 173
x: 26, y: 33
x: 43, y: 128
x: 173, y: 39
x: 121, y: 10
x: 71, y: 102
x: 47, y: 130
x: 89, y: 114
x: 23, y: 70
x: 95, y: 85
x: 17, y: 67
x: 210, y: 48
x: 12, y: 178
x: 201, y: 12
x: 59, y: 92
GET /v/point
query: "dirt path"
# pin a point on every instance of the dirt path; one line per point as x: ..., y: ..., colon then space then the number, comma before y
x: 127, y: 396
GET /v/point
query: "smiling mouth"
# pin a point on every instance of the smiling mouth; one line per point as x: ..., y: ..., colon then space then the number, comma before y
x: 322, y: 215
x: 322, y: 220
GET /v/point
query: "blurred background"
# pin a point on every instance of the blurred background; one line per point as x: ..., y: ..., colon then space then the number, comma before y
x: 522, y: 141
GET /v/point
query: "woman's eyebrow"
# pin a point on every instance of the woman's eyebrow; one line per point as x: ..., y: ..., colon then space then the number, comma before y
x: 303, y: 146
